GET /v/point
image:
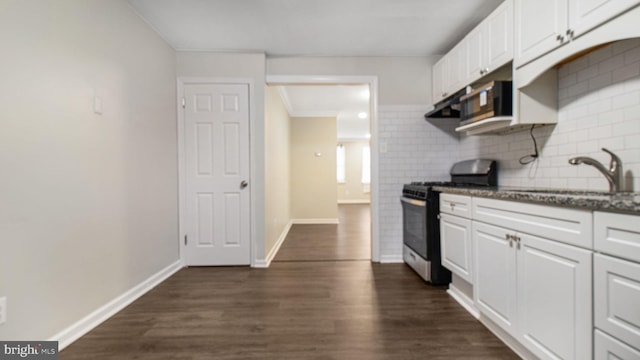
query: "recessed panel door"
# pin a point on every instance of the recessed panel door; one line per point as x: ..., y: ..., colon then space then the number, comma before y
x: 217, y: 174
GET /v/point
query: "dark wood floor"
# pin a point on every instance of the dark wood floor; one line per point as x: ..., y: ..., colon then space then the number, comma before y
x: 349, y: 240
x: 293, y: 310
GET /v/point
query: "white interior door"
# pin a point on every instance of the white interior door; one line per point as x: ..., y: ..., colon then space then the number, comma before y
x: 216, y: 120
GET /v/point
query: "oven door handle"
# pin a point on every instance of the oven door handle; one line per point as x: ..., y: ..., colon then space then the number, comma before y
x: 413, y: 201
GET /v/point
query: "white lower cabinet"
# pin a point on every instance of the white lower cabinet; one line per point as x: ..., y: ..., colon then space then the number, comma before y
x: 530, y: 281
x: 617, y: 298
x: 455, y: 235
x: 495, y: 275
x: 537, y: 290
x: 554, y: 298
x: 562, y: 283
x: 455, y: 245
x: 606, y: 347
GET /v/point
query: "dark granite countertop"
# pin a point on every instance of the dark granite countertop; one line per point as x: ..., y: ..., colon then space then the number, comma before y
x: 626, y: 202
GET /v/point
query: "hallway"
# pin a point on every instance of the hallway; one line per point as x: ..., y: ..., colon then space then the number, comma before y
x: 348, y: 240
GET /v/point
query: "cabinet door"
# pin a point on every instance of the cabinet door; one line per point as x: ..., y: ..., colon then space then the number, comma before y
x: 606, y: 347
x: 554, y: 299
x: 438, y: 74
x: 584, y: 15
x: 499, y: 35
x: 455, y: 245
x: 475, y: 61
x: 495, y: 275
x: 617, y: 297
x: 457, y: 74
x: 538, y: 25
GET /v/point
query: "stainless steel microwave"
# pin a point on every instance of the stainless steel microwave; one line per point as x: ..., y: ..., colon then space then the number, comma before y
x: 487, y: 101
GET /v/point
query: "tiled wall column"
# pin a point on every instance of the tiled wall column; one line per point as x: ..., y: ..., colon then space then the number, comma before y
x: 411, y: 149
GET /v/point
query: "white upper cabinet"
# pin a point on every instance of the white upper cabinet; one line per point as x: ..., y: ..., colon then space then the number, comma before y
x: 475, y: 62
x: 540, y: 26
x: 448, y: 74
x: 438, y: 76
x: 490, y: 44
x: 456, y: 69
x: 484, y: 49
x: 499, y: 29
x: 543, y: 25
x: 584, y: 15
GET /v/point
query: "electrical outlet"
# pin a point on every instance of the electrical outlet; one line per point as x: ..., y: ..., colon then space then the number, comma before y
x: 3, y: 310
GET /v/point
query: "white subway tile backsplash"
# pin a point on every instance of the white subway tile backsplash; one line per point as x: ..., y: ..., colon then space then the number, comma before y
x: 632, y: 55
x: 599, y: 106
x: 611, y: 63
x: 578, y: 88
x: 600, y: 55
x: 623, y: 46
x: 600, y: 81
x: 626, y: 72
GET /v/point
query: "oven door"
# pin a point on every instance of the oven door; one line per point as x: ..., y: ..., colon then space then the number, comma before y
x: 414, y: 225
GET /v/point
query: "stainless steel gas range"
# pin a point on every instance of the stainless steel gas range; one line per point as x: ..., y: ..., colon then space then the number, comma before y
x: 421, y: 224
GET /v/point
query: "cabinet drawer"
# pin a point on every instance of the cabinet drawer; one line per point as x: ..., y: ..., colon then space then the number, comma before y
x: 617, y: 234
x: 458, y: 205
x: 570, y: 226
x: 607, y: 347
x: 617, y: 297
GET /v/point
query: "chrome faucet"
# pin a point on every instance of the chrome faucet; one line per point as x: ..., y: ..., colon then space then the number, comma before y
x: 613, y: 174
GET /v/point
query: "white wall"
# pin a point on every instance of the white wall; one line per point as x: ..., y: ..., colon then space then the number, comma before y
x: 277, y: 176
x: 599, y: 106
x: 246, y: 66
x: 89, y: 202
x: 353, y: 190
x: 313, y: 177
x: 401, y: 80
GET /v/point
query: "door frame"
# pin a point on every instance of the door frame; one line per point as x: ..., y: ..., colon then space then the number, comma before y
x: 183, y: 81
x: 372, y: 81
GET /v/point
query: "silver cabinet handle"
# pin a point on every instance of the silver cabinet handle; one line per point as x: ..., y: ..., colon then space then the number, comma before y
x: 560, y: 38
x: 570, y: 34
x: 244, y: 184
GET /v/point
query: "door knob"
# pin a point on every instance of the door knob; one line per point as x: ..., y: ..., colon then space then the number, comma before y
x: 243, y: 184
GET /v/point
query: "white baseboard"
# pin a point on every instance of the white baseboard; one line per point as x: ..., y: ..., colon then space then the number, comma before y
x: 314, y: 221
x: 354, y: 201
x: 391, y: 259
x: 264, y: 263
x: 463, y: 300
x: 89, y: 322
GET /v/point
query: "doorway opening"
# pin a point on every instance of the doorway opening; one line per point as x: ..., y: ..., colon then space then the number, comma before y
x: 354, y: 201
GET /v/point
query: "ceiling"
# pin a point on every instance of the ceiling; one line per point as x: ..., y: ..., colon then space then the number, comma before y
x: 315, y: 27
